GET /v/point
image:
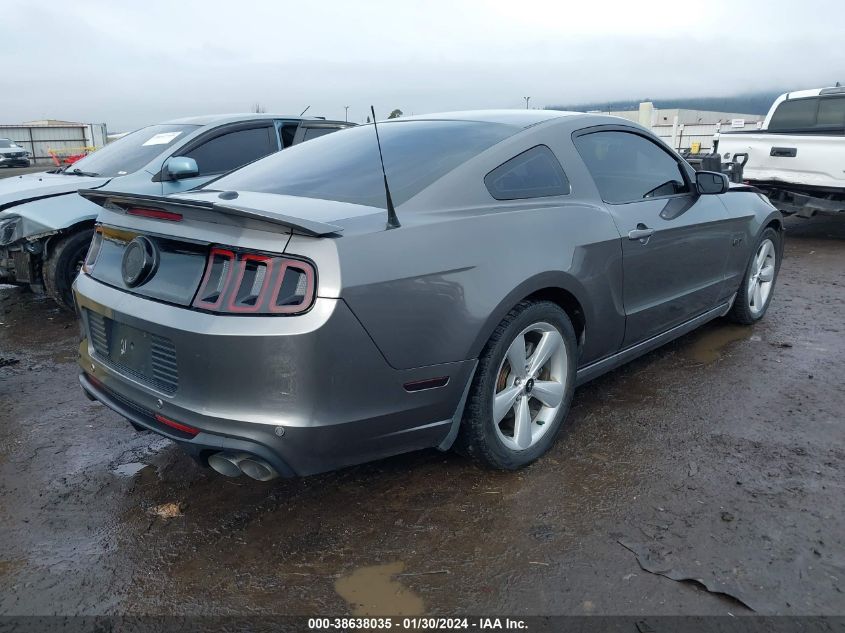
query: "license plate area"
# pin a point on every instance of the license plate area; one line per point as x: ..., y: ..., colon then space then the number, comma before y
x: 143, y: 356
x: 130, y: 347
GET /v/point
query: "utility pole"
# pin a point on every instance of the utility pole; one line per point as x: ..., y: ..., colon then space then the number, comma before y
x: 346, y: 114
x: 526, y: 101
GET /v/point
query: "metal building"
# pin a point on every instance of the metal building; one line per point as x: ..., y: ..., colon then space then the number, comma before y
x: 43, y: 139
x: 685, y: 129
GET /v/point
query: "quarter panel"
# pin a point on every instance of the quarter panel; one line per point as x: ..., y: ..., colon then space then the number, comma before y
x: 432, y: 291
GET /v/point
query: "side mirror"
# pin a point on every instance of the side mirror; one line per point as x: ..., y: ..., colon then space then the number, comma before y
x: 711, y: 182
x: 178, y: 167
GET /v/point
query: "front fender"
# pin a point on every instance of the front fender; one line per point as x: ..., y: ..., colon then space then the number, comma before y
x: 47, y: 216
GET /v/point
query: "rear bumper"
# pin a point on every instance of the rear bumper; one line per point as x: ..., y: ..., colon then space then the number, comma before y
x: 804, y: 200
x: 249, y: 438
x: 308, y: 394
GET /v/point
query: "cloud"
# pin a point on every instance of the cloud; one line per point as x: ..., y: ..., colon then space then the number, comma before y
x: 131, y: 64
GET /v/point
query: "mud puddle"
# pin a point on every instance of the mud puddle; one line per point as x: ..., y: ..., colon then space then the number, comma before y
x: 375, y: 590
x: 715, y: 341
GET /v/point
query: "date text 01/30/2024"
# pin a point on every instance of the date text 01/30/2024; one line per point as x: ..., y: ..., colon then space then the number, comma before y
x: 417, y: 623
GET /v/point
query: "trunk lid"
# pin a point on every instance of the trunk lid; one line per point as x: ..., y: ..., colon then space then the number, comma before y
x: 181, y: 231
x: 307, y: 216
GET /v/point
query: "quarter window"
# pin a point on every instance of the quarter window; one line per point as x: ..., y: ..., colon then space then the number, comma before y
x: 535, y: 173
x: 287, y: 132
x: 234, y: 149
x: 628, y: 167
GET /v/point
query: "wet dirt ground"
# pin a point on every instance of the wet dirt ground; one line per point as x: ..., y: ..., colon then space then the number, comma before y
x: 719, y: 458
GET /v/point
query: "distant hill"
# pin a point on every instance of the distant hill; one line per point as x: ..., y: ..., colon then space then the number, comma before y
x: 758, y: 103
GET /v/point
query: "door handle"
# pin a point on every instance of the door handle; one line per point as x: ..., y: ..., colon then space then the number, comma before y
x: 784, y: 152
x: 642, y: 233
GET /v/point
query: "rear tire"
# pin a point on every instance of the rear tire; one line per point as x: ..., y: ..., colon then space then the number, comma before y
x: 758, y: 284
x: 522, y: 388
x: 63, y: 264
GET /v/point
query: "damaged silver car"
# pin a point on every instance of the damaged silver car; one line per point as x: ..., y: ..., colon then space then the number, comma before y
x: 45, y: 228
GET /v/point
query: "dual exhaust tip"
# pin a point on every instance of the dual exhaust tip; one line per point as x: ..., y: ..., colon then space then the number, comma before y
x: 237, y: 464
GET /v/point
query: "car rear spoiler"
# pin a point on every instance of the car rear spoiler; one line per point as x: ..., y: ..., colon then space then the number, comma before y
x: 300, y: 225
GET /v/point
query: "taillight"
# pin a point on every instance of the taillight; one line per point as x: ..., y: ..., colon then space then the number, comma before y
x: 252, y: 283
x: 155, y: 214
x: 93, y: 251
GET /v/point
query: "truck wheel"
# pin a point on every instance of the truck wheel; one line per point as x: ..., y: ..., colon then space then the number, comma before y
x: 758, y: 284
x: 63, y: 264
x: 522, y: 388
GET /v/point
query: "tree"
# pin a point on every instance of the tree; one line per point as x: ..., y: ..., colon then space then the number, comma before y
x: 368, y: 120
x: 258, y: 108
x: 395, y: 114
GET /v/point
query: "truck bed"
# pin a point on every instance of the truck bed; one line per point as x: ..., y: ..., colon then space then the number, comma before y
x: 804, y: 160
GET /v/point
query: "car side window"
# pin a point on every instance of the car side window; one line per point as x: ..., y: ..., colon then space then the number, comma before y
x: 795, y: 114
x: 627, y: 167
x: 831, y: 112
x: 535, y: 173
x: 234, y: 149
x: 314, y: 132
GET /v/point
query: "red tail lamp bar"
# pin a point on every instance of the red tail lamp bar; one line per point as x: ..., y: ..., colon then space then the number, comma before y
x: 226, y: 259
x: 177, y: 425
x: 308, y: 271
x: 237, y: 282
x: 261, y: 261
x: 155, y: 214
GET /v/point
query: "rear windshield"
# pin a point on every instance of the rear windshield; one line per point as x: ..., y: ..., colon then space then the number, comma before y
x: 814, y: 115
x: 344, y: 166
x: 133, y: 151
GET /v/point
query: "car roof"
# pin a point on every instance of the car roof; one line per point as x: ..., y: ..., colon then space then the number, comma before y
x: 210, y: 119
x: 515, y: 118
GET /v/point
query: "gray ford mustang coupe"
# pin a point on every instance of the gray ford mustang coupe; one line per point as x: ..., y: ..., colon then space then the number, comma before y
x: 292, y: 317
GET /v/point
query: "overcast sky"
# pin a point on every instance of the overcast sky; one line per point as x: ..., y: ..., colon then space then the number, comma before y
x: 133, y: 63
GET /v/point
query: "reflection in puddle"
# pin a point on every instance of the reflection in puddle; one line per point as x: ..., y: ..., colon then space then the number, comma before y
x: 710, y: 344
x: 372, y: 591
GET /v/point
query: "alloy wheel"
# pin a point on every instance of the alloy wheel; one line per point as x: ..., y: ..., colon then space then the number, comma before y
x: 530, y: 386
x: 762, y: 277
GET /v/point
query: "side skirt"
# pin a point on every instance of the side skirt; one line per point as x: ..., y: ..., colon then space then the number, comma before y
x: 596, y: 369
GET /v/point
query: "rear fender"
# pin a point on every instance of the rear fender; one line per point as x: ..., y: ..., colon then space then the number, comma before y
x: 538, y: 285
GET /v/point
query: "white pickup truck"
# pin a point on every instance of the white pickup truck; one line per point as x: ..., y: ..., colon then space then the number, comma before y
x: 797, y: 158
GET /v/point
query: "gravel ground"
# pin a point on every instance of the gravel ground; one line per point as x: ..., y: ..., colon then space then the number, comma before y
x: 704, y: 478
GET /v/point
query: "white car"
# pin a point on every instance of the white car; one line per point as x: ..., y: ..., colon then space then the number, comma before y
x: 12, y: 154
x: 797, y: 158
